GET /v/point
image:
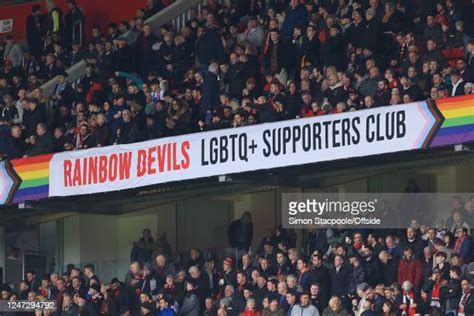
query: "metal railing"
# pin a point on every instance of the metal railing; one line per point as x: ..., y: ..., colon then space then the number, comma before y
x: 176, y: 13
x: 80, y: 25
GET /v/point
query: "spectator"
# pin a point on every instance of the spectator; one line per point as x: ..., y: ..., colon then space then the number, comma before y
x: 139, y: 254
x: 240, y: 232
x: 43, y: 143
x: 73, y: 18
x: 191, y: 302
x: 35, y: 31
x: 409, y: 268
x: 304, y: 307
x: 12, y: 52
x: 335, y: 308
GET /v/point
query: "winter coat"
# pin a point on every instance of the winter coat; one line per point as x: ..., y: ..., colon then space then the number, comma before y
x: 210, y: 92
x: 14, y: 53
x: 236, y: 236
x: 358, y: 276
x: 44, y: 145
x: 333, y: 51
x: 340, y: 312
x: 268, y: 312
x: 190, y: 306
x: 339, y: 281
x: 294, y: 17
x: 410, y: 270
x: 309, y: 310
x: 209, y: 47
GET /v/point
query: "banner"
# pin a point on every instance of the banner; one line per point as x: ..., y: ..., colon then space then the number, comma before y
x: 6, y: 26
x: 234, y: 150
x: 281, y: 144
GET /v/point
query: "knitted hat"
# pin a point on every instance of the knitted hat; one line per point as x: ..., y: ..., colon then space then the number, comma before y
x: 228, y: 261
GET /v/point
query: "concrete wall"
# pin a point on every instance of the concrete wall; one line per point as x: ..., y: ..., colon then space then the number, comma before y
x: 106, y: 241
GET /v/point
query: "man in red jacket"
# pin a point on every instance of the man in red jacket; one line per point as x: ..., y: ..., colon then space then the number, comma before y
x: 409, y: 269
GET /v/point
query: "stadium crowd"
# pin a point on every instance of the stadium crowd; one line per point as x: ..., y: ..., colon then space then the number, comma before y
x: 242, y: 63
x: 334, y: 272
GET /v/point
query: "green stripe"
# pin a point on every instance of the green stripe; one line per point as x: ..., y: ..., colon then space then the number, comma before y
x: 34, y: 183
x: 458, y: 121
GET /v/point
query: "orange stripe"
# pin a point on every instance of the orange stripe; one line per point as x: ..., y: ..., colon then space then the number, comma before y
x: 456, y: 105
x: 32, y: 160
x: 32, y: 167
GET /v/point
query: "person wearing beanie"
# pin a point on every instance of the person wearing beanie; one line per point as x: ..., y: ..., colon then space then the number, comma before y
x: 228, y: 275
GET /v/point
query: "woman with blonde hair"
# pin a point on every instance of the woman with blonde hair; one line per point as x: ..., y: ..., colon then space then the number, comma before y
x: 335, y: 308
x: 38, y: 94
x: 250, y: 308
x: 293, y: 256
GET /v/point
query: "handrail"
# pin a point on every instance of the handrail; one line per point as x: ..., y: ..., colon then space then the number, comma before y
x: 80, y: 24
x: 175, y: 12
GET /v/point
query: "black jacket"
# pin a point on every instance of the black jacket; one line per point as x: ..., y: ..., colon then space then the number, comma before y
x: 210, y: 92
x: 209, y: 47
x: 389, y: 272
x: 44, y: 145
x: 333, y: 51
x: 125, y: 60
x: 322, y: 276
x: 240, y: 235
x: 310, y: 50
x: 374, y: 271
x: 340, y: 281
x: 235, y: 78
x: 128, y: 133
x: 121, y: 301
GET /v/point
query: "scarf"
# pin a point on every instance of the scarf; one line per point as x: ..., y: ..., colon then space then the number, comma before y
x: 409, y: 300
x: 274, y: 58
x: 435, y: 294
x: 458, y: 244
x: 462, y: 303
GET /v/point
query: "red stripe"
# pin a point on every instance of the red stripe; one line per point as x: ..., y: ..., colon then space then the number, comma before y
x: 32, y: 160
x: 455, y: 99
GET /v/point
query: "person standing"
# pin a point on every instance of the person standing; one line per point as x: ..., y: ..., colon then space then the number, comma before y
x: 74, y: 17
x: 35, y: 31
x: 240, y: 232
x: 13, y: 52
x: 55, y: 19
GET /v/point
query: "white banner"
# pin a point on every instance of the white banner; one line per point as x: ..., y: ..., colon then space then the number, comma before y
x: 6, y: 26
x: 264, y: 146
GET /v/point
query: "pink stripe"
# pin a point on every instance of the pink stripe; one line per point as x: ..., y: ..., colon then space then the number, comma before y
x: 421, y: 136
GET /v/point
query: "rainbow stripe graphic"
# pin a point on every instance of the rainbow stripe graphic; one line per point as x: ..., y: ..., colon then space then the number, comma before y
x: 34, y: 175
x: 458, y: 125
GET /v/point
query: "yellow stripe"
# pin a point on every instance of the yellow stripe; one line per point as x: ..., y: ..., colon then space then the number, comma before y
x: 31, y: 175
x: 460, y: 112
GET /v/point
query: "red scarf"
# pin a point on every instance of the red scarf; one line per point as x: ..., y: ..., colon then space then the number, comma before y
x: 457, y: 245
x: 300, y: 275
x: 411, y: 301
x: 463, y: 302
x: 435, y: 293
